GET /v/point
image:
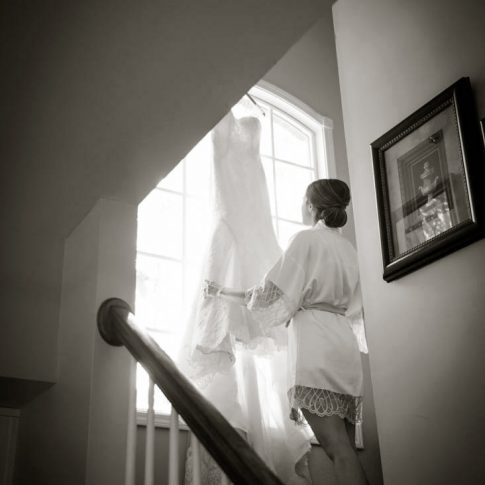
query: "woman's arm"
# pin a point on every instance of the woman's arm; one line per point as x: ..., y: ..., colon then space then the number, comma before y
x: 213, y: 289
x: 233, y: 292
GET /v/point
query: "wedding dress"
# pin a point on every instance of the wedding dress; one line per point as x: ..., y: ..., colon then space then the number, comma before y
x: 241, y: 371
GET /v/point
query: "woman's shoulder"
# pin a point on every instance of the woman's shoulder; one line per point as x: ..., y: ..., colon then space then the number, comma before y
x: 326, y: 237
x: 302, y: 236
x: 298, y: 242
x: 321, y: 236
x: 306, y: 240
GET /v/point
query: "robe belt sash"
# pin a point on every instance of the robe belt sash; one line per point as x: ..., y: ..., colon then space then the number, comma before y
x: 322, y: 306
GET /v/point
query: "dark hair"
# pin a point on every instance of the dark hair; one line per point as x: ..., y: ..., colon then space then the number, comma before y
x: 329, y: 197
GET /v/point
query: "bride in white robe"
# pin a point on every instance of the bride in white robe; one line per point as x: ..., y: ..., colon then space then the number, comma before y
x: 314, y: 289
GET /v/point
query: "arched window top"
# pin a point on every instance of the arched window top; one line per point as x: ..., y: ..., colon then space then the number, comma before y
x: 282, y: 105
x: 290, y: 104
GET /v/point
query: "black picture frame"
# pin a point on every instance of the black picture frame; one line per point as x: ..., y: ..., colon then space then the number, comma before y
x: 427, y: 172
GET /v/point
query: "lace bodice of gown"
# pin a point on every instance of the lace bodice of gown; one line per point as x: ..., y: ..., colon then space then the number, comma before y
x: 241, y: 195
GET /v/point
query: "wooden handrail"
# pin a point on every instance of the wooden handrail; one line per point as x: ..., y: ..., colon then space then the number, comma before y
x: 241, y: 464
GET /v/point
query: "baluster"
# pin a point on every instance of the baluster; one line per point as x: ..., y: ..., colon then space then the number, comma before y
x: 173, y: 450
x: 194, y: 443
x: 150, y: 437
x: 130, y: 472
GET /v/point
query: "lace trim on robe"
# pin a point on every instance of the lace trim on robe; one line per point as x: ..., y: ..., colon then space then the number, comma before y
x: 323, y: 402
x: 268, y: 304
x: 263, y: 296
x: 216, y: 353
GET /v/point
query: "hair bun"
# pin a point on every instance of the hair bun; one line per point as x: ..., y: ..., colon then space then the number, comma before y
x: 330, y: 197
x: 334, y: 216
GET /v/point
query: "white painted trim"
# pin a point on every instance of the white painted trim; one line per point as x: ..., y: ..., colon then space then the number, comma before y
x: 130, y: 471
x: 195, y: 445
x: 173, y: 449
x: 161, y: 421
x: 281, y: 99
x: 321, y: 125
x: 150, y: 437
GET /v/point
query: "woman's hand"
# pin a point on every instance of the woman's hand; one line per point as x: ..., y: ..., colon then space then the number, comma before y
x: 211, y: 288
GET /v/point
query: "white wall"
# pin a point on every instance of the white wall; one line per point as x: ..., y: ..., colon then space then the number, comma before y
x: 425, y: 330
x: 76, y: 432
x: 308, y: 71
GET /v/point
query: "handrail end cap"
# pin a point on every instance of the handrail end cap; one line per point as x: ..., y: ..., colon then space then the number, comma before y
x: 105, y: 319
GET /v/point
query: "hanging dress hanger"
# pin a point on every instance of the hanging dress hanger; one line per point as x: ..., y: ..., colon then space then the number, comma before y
x: 255, y: 104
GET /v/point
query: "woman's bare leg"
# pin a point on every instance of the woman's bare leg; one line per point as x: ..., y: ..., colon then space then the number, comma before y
x: 351, y: 433
x: 331, y: 433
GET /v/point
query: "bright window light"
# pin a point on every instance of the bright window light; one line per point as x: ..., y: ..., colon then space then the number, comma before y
x: 173, y: 220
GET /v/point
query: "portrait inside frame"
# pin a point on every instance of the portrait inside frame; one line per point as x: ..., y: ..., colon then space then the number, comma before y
x: 427, y: 171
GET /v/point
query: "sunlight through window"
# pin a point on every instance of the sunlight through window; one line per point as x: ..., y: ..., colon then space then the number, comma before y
x: 174, y: 219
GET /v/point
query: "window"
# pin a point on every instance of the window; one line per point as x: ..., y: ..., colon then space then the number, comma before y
x: 173, y: 220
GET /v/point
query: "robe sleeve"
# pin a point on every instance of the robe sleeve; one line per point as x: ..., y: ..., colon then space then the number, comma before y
x: 279, y: 295
x: 355, y: 314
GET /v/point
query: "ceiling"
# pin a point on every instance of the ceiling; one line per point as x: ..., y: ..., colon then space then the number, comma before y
x: 101, y: 99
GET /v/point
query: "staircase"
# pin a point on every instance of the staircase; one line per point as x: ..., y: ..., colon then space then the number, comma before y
x: 241, y: 465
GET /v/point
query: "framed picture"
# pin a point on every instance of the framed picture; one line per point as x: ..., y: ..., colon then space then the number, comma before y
x: 428, y: 171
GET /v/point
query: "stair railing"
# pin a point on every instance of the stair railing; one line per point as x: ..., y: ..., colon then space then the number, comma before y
x: 238, y: 461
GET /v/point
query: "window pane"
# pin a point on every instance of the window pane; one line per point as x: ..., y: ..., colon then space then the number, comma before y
x: 141, y: 388
x: 268, y: 172
x: 197, y: 225
x: 291, y: 183
x: 161, y: 405
x: 170, y: 341
x: 158, y: 292
x: 286, y: 230
x: 197, y: 168
x: 174, y: 179
x: 160, y: 224
x: 192, y: 285
x: 291, y: 143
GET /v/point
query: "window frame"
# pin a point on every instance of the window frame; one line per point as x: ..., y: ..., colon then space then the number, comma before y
x: 322, y: 126
x: 324, y: 155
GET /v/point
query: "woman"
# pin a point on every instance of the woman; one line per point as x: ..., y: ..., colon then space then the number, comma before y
x: 314, y: 290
